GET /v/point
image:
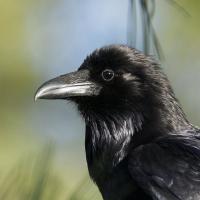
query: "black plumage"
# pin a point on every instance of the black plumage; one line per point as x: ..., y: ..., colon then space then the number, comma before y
x: 139, y: 143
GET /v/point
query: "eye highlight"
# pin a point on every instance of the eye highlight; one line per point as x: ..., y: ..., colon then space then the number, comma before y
x: 108, y: 75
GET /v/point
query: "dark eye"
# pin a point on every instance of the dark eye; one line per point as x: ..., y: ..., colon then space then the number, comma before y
x: 107, y: 75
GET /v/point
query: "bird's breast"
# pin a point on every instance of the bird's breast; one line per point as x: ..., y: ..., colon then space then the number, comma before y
x: 106, y: 147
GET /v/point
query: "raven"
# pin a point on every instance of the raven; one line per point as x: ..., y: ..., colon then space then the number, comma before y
x: 139, y: 144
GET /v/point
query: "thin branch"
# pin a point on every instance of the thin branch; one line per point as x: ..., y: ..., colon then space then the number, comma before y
x: 179, y: 7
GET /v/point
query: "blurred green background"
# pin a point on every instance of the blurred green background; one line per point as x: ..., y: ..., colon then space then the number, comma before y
x: 42, y: 144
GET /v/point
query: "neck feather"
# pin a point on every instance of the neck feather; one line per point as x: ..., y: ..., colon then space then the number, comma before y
x: 108, y: 137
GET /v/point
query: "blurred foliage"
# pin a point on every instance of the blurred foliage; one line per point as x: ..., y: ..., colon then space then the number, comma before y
x: 15, y: 71
x: 36, y: 176
x: 34, y: 179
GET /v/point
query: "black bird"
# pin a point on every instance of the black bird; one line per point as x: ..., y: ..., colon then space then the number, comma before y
x: 139, y: 143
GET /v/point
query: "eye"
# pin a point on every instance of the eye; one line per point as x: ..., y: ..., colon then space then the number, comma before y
x: 107, y: 74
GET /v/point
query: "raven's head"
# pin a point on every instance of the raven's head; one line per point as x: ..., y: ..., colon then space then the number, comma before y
x: 120, y: 80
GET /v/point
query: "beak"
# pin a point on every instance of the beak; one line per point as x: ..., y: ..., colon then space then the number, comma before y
x: 68, y: 85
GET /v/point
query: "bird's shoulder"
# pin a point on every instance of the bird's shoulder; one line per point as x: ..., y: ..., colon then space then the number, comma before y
x: 169, y: 167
